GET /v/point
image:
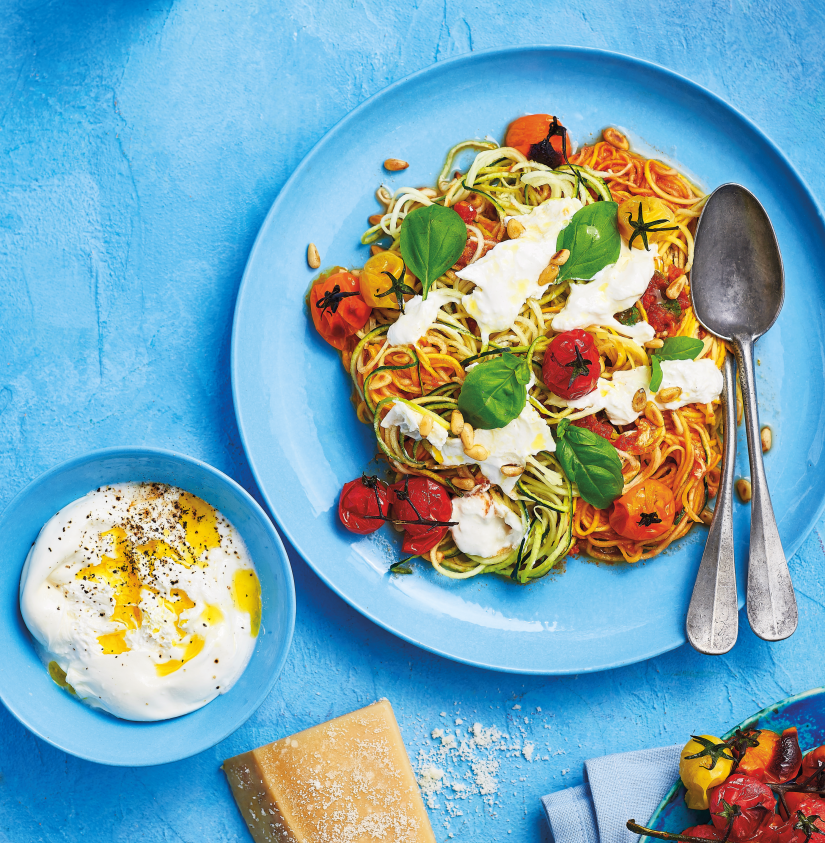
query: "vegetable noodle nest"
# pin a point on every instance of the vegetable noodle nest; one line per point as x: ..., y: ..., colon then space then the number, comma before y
x: 675, y: 453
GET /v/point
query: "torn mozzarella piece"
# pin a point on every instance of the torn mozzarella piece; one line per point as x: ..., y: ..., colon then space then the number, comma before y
x: 418, y: 317
x: 612, y: 290
x: 700, y: 381
x: 409, y: 421
x: 508, y: 274
x: 523, y: 437
x: 485, y: 527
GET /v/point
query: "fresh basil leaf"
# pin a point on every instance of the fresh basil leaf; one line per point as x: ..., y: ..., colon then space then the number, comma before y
x: 655, y: 373
x: 495, y: 392
x: 432, y: 240
x: 672, y: 307
x: 593, y: 239
x: 591, y: 462
x: 680, y: 348
x: 631, y: 316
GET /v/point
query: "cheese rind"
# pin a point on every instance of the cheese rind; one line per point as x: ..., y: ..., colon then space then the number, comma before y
x: 345, y: 781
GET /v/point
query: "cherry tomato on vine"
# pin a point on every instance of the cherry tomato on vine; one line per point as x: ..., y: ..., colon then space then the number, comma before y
x: 531, y: 129
x: 571, y: 364
x: 374, y: 282
x: 362, y: 497
x: 656, y: 218
x: 775, y: 758
x: 813, y: 761
x: 337, y: 308
x: 740, y: 804
x: 645, y: 512
x: 415, y: 498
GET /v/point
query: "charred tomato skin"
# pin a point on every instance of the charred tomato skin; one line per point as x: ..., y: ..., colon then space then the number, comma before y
x: 703, y: 832
x: 571, y: 365
x: 753, y: 799
x: 358, y: 500
x: 431, y: 501
x: 777, y: 758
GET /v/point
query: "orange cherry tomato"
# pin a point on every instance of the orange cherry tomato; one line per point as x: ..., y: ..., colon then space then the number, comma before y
x: 645, y: 512
x: 337, y: 308
x: 532, y: 128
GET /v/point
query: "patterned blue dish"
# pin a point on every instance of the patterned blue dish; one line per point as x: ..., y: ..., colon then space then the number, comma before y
x: 806, y: 711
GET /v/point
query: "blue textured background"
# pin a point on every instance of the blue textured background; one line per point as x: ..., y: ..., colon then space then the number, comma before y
x: 141, y: 144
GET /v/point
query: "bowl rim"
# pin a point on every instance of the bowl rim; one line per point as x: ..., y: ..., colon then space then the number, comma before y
x: 285, y: 641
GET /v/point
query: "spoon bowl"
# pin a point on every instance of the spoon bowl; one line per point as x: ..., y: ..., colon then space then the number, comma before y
x: 737, y: 290
x: 737, y: 281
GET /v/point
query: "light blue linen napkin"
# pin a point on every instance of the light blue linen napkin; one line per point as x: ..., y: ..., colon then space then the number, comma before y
x: 629, y: 785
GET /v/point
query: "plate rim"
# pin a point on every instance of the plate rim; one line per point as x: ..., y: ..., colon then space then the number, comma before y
x: 231, y: 726
x: 744, y: 724
x: 307, y: 161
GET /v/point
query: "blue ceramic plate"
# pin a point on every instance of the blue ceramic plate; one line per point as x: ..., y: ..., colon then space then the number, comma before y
x: 292, y: 396
x: 25, y: 686
x: 805, y: 711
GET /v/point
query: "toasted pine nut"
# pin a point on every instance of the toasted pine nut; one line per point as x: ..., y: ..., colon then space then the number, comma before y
x: 467, y: 436
x: 675, y: 287
x: 672, y: 393
x: 615, y: 138
x: 426, y: 426
x: 639, y: 400
x: 743, y: 489
x: 375, y: 249
x: 456, y: 422
x: 707, y: 516
x: 477, y: 452
x: 465, y: 483
x: 313, y: 258
x: 548, y: 274
x: 561, y: 257
x: 654, y: 343
x: 512, y: 470
x: 767, y: 439
x: 677, y: 423
x: 375, y: 219
x: 514, y: 229
x: 395, y: 164
x: 652, y: 413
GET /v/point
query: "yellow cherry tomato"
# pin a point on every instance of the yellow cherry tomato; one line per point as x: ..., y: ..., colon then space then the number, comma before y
x: 704, y: 763
x: 374, y: 282
x: 652, y: 209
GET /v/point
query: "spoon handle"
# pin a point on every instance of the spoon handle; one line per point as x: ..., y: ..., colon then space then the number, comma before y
x: 713, y: 614
x: 771, y: 601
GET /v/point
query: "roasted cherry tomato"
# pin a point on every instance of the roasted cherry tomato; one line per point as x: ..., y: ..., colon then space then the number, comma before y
x: 703, y: 832
x: 645, y: 512
x: 531, y: 130
x: 805, y: 823
x: 597, y: 426
x: 466, y: 211
x: 337, y: 308
x: 367, y: 496
x: 808, y: 803
x: 664, y: 314
x: 415, y: 498
x: 813, y: 762
x: 571, y: 365
x: 705, y: 761
x: 770, y: 757
x: 653, y: 210
x: 374, y: 282
x: 740, y: 804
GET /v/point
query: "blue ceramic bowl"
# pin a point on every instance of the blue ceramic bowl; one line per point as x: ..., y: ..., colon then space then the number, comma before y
x: 39, y: 704
x: 805, y: 711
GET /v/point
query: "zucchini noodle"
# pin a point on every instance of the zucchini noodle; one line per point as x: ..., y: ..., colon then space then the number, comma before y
x: 680, y: 448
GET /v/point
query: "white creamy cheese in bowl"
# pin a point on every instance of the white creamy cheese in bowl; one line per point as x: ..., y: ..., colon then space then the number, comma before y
x: 143, y: 600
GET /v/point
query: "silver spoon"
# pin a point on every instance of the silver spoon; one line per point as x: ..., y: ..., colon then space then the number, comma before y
x: 737, y: 290
x: 713, y: 614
